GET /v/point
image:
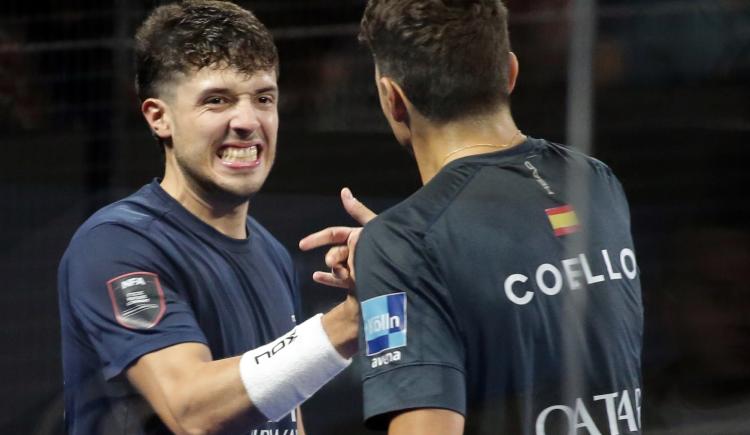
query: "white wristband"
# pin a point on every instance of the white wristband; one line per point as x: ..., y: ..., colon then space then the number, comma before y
x: 280, y: 375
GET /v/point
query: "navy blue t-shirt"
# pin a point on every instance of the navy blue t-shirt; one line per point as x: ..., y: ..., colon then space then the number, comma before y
x: 506, y: 289
x: 143, y: 274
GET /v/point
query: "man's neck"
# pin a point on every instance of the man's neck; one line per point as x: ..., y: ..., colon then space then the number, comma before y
x: 229, y: 220
x: 437, y: 144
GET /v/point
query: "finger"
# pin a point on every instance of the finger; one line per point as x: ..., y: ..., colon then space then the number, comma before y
x: 340, y: 272
x: 337, y: 255
x: 356, y: 209
x: 328, y: 236
x: 328, y: 279
x: 352, y: 248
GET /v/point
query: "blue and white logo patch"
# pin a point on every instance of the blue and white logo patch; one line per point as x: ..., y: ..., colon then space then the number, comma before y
x: 385, y: 322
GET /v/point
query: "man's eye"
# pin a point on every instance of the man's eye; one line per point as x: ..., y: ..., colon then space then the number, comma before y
x: 265, y: 100
x: 216, y: 100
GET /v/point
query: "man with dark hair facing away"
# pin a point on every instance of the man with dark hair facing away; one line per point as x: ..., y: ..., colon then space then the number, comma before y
x: 177, y: 308
x: 502, y: 297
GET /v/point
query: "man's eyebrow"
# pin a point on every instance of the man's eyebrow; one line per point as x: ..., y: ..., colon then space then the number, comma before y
x: 267, y: 89
x: 225, y: 90
x: 215, y: 90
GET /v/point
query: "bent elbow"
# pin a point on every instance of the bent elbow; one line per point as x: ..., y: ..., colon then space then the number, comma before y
x: 194, y: 425
x: 206, y: 423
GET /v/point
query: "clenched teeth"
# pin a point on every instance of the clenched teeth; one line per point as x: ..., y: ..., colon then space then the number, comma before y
x: 239, y: 155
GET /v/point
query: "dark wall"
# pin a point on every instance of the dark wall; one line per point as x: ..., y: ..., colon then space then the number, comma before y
x: 671, y: 118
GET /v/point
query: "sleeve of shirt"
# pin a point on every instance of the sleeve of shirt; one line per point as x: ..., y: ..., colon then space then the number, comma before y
x: 412, y: 353
x: 121, y: 294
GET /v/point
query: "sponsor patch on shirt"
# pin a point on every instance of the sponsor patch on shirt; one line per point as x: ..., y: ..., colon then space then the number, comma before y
x: 385, y: 322
x: 137, y: 299
x: 563, y: 220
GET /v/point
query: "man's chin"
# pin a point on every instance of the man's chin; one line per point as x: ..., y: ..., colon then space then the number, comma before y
x: 237, y: 196
x: 233, y: 195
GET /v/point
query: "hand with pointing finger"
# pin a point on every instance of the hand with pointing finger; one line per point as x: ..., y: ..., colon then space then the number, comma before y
x: 340, y: 257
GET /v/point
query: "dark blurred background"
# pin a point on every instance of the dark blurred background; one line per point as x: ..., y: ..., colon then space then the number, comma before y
x: 659, y: 90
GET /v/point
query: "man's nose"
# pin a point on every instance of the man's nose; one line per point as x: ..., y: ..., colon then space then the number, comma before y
x: 244, y: 118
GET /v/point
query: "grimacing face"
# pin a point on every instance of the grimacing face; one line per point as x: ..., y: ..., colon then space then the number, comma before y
x: 223, y: 128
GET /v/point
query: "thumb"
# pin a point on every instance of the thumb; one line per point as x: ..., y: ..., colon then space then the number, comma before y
x: 356, y: 209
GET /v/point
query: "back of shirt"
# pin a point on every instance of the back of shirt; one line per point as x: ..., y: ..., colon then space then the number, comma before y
x: 506, y: 289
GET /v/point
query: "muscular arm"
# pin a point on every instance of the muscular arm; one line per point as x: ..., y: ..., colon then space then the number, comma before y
x: 427, y: 422
x: 191, y: 393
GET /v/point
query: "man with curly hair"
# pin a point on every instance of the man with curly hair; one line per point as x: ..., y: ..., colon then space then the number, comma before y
x: 177, y: 308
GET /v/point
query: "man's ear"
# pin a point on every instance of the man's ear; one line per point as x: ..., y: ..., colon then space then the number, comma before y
x: 512, y: 71
x: 395, y: 100
x: 157, y: 117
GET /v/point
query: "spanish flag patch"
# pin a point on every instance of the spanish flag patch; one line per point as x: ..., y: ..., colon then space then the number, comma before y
x: 563, y: 220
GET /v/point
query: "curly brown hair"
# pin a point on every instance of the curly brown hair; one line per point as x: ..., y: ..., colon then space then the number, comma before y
x: 449, y: 56
x: 195, y: 34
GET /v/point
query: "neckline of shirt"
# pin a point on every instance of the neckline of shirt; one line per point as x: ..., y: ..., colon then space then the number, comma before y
x: 521, y: 148
x: 198, y: 226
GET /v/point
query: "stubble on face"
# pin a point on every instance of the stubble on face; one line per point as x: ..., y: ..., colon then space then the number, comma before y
x: 224, y: 126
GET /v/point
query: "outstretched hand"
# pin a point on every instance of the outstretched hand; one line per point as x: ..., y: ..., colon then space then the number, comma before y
x: 340, y: 257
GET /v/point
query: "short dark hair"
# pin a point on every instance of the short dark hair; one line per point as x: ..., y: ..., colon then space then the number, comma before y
x: 195, y: 34
x: 449, y: 56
